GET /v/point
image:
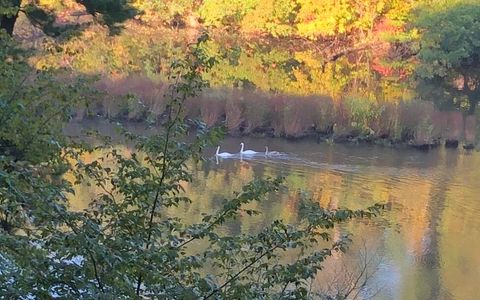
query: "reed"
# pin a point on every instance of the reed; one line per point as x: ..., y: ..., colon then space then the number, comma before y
x: 247, y: 111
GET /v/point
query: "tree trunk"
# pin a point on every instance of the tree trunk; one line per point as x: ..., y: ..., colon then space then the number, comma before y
x: 8, y: 22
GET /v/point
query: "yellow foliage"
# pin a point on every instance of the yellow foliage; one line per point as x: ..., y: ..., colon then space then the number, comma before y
x: 323, y: 18
x: 51, y: 4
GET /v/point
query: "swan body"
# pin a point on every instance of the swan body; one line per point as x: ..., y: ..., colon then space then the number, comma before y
x: 223, y: 154
x: 246, y: 152
x: 271, y: 153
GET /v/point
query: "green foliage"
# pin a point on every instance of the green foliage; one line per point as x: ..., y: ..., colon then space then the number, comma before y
x: 450, y: 55
x: 362, y: 113
x: 9, y: 8
x: 113, y: 12
x: 324, y: 19
x: 32, y: 106
x: 169, y: 12
x: 275, y: 17
x: 225, y: 12
x: 33, y: 109
x: 8, y: 14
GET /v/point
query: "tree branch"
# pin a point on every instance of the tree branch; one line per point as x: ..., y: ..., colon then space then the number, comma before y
x: 234, y: 277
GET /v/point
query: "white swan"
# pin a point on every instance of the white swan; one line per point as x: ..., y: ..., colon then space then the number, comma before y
x: 223, y: 154
x: 246, y: 152
x: 271, y: 153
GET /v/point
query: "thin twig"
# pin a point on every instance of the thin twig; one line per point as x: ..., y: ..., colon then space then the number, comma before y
x: 234, y: 277
x: 157, y: 194
x: 74, y: 229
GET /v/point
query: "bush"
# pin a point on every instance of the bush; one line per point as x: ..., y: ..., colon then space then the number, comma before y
x: 363, y: 113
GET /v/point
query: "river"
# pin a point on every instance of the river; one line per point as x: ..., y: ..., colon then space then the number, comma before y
x: 424, y: 246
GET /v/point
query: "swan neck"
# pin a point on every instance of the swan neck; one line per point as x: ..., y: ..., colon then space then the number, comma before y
x: 241, y: 149
x: 218, y: 150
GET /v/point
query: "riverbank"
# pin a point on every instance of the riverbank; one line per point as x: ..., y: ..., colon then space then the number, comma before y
x: 106, y: 125
x: 248, y: 112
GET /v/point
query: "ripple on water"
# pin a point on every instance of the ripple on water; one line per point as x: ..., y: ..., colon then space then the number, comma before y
x: 433, y: 205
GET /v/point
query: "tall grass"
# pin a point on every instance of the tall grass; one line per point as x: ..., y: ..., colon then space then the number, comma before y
x: 245, y: 112
x: 131, y: 97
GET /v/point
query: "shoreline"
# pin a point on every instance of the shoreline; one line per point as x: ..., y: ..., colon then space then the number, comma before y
x: 328, y: 138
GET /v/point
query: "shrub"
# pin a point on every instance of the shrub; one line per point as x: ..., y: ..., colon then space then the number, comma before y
x: 363, y: 113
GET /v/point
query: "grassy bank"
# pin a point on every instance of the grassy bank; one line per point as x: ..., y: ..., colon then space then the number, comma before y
x: 251, y: 112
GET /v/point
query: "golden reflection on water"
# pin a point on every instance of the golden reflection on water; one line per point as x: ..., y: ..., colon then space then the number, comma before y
x: 427, y: 239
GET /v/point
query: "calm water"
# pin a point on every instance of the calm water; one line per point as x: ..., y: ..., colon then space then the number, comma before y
x: 427, y: 242
x: 425, y: 246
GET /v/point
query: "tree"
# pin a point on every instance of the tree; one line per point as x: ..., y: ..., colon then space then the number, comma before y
x: 123, y: 246
x: 449, y: 56
x: 34, y: 105
x: 8, y: 14
x: 225, y: 12
x: 112, y: 12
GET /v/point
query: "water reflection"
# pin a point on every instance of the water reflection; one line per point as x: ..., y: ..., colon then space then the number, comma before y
x: 427, y: 242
